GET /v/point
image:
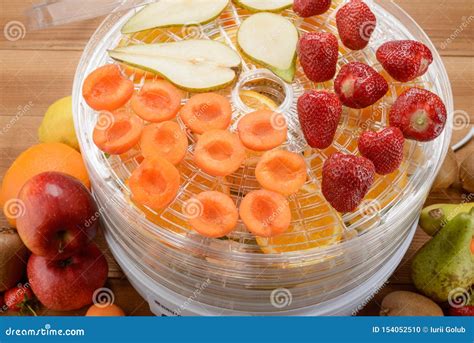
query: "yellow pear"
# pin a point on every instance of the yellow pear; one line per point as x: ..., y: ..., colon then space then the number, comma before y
x: 58, y: 124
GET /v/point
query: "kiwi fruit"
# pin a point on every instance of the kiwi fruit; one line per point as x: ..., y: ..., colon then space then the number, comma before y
x: 449, y: 172
x: 403, y: 303
x: 13, y: 258
x: 467, y: 173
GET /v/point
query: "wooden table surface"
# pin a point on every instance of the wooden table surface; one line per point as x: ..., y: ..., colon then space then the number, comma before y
x: 39, y: 68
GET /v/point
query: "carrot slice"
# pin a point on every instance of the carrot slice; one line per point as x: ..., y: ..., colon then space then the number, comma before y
x: 212, y: 214
x: 166, y: 140
x: 263, y: 130
x: 155, y: 183
x: 117, y: 133
x: 219, y: 153
x: 207, y: 111
x: 157, y: 101
x: 281, y: 171
x: 265, y: 213
x: 105, y: 89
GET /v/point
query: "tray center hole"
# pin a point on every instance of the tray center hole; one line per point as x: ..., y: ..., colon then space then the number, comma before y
x: 261, y: 88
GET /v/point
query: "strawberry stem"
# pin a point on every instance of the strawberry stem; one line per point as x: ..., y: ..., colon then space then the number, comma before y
x: 31, y: 310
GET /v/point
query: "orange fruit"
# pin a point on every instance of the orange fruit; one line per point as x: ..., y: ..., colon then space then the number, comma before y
x: 387, y: 187
x: 56, y: 157
x: 385, y: 190
x: 322, y: 227
x: 257, y: 101
x: 111, y: 310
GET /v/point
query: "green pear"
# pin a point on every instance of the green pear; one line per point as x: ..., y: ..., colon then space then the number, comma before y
x: 270, y: 40
x: 446, y: 263
x: 195, y: 65
x: 434, y: 217
x: 166, y: 13
x: 264, y: 5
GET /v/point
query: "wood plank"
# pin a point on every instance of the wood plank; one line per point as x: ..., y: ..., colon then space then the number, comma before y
x: 37, y: 78
x: 449, y: 24
x: 66, y: 37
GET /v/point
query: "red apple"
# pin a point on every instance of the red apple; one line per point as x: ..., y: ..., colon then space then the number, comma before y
x: 69, y: 284
x: 59, y: 215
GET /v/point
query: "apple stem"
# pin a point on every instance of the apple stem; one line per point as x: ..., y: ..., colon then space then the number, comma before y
x: 61, y: 247
x: 61, y: 235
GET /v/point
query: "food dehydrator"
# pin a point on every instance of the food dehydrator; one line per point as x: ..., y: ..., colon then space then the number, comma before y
x: 307, y: 272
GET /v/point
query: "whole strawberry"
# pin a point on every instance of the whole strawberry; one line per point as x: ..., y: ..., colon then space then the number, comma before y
x: 384, y: 149
x: 359, y: 86
x: 465, y: 311
x: 309, y: 8
x: 405, y: 60
x: 319, y: 113
x: 318, y: 53
x: 346, y: 180
x: 420, y: 114
x: 20, y: 299
x: 355, y: 23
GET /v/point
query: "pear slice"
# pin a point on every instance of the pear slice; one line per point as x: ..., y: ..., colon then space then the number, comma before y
x: 270, y: 40
x: 195, y: 65
x: 264, y: 5
x: 165, y: 13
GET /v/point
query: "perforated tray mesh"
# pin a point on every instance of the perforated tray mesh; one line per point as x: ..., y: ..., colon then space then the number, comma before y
x: 315, y: 223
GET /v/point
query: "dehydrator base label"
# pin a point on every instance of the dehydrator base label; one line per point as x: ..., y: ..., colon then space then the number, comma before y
x: 167, y: 309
